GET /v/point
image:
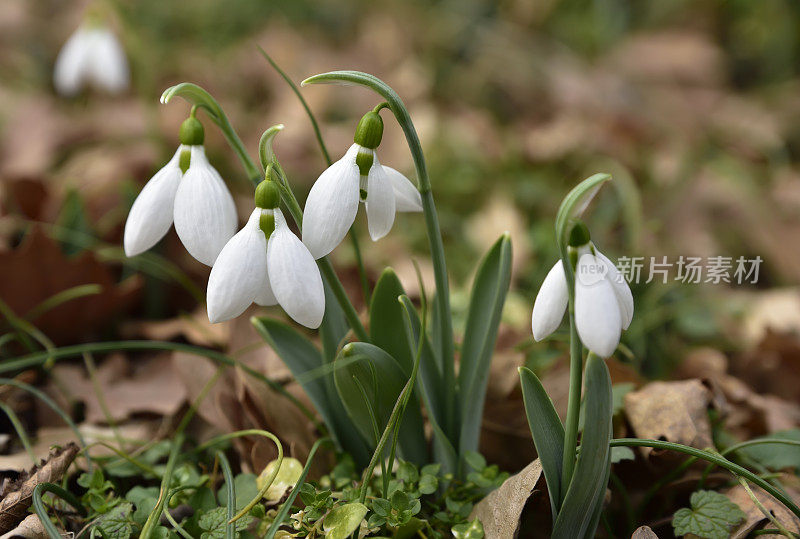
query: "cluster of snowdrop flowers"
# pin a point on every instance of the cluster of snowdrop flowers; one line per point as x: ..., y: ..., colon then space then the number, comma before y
x: 267, y: 264
x: 603, y: 300
x: 189, y: 192
x: 92, y: 56
x: 332, y: 204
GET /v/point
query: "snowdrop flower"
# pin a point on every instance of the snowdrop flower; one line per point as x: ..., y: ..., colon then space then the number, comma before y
x: 189, y: 192
x: 603, y: 300
x: 91, y: 56
x: 332, y: 204
x: 267, y: 264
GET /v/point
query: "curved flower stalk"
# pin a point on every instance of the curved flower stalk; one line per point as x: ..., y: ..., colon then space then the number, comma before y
x: 332, y: 204
x: 267, y: 264
x: 92, y: 56
x: 603, y: 299
x: 189, y: 192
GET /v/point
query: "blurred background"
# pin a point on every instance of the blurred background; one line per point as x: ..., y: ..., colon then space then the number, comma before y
x: 692, y: 106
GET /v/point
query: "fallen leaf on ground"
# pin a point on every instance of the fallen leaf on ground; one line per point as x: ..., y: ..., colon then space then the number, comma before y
x: 500, y: 511
x: 30, y: 528
x: 740, y: 497
x: 672, y: 411
x: 644, y: 532
x: 14, y: 505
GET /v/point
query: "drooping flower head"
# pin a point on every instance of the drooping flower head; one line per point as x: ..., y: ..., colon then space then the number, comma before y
x: 267, y: 264
x: 92, y: 56
x: 603, y: 299
x: 189, y: 192
x: 332, y: 204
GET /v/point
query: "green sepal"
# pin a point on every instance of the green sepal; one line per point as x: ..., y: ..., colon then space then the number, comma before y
x: 185, y: 159
x: 268, y: 195
x: 192, y: 132
x: 369, y: 131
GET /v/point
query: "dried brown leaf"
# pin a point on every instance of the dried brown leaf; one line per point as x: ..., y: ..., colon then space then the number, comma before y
x: 740, y: 497
x: 14, y: 506
x: 644, y: 532
x: 30, y: 528
x: 500, y: 511
x: 672, y: 411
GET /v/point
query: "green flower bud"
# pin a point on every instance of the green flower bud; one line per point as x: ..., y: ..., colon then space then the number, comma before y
x: 268, y: 195
x: 185, y: 159
x: 267, y: 223
x: 369, y: 131
x: 579, y: 235
x: 192, y: 132
x: 364, y: 160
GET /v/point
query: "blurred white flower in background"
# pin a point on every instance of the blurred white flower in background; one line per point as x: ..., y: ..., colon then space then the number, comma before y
x: 91, y: 57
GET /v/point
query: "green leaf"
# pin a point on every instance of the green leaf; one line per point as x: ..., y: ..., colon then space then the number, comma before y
x: 475, y: 460
x: 382, y: 379
x: 343, y: 520
x: 387, y: 317
x: 332, y: 330
x: 485, y: 310
x: 580, y: 511
x: 712, y: 516
x: 428, y: 484
x: 301, y: 356
x: 286, y: 478
x: 468, y: 530
x: 776, y: 456
x: 213, y: 523
x: 116, y: 524
x: 429, y: 382
x: 547, y: 432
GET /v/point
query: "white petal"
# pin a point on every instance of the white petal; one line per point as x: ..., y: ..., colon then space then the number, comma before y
x: 331, y: 205
x: 597, y: 313
x: 151, y: 214
x: 108, y: 67
x: 72, y: 64
x: 265, y: 295
x: 380, y: 202
x: 406, y: 194
x: 205, y: 215
x: 238, y: 272
x: 551, y: 303
x: 294, y: 276
x: 621, y: 289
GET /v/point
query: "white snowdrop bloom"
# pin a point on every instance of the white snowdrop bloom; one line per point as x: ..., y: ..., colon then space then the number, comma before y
x: 603, y: 302
x: 197, y: 201
x: 267, y: 264
x: 332, y: 204
x: 92, y: 56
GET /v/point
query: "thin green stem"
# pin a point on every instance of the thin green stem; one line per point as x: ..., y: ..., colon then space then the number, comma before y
x: 177, y: 441
x: 62, y: 297
x: 764, y: 511
x: 49, y: 402
x: 398, y: 108
x: 573, y: 405
x: 41, y: 510
x: 101, y: 398
x: 230, y: 489
x: 31, y: 360
x: 716, y: 459
x: 287, y: 505
x: 21, y: 434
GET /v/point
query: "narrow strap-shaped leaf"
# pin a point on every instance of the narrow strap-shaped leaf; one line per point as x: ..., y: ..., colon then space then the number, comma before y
x: 580, y: 512
x: 429, y: 385
x: 386, y: 320
x: 383, y: 380
x: 485, y: 309
x: 334, y: 326
x: 301, y: 356
x: 547, y: 431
